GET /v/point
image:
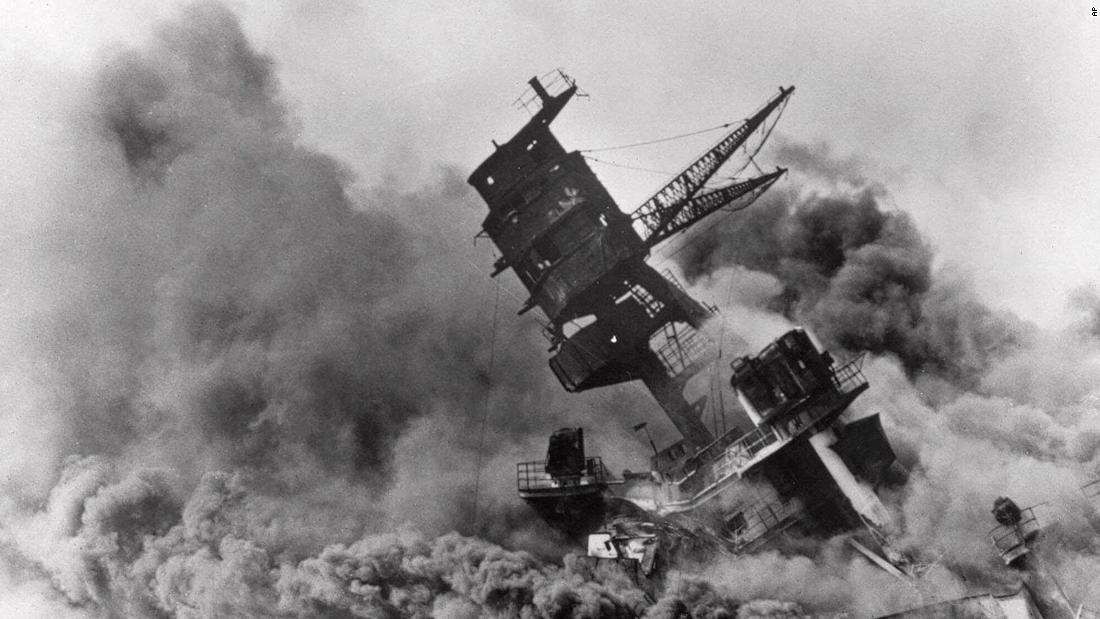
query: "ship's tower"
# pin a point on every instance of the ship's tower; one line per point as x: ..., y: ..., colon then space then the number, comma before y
x: 612, y: 317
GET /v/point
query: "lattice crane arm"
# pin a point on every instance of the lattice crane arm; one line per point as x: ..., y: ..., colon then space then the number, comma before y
x: 702, y: 205
x: 656, y: 213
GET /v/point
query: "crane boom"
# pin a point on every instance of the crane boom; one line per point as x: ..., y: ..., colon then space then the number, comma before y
x: 656, y: 213
x: 711, y: 201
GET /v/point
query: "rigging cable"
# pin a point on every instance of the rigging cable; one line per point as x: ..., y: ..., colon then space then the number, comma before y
x: 658, y: 140
x: 717, y: 182
x: 715, y: 378
x: 476, y: 267
x: 488, y: 394
x: 629, y: 167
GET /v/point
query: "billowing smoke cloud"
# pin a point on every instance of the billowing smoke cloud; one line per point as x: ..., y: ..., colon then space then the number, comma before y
x: 236, y: 373
x: 123, y: 548
x: 977, y: 403
x: 202, y: 293
x: 859, y: 275
x: 211, y: 295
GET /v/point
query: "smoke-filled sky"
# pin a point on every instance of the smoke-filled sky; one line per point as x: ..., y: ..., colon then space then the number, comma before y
x: 249, y: 343
x: 980, y: 116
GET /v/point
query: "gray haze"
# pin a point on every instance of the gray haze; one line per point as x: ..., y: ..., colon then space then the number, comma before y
x: 249, y: 342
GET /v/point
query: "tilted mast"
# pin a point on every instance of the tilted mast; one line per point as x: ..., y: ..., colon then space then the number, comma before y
x: 612, y: 317
x: 657, y: 214
x: 698, y: 207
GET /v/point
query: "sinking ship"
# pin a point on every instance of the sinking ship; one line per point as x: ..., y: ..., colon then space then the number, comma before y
x: 612, y: 318
x: 804, y: 468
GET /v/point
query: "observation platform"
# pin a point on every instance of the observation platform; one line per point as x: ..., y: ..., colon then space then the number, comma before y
x: 534, y: 482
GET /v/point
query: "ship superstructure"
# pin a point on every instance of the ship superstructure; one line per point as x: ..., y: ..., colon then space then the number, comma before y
x: 612, y: 318
x: 803, y: 468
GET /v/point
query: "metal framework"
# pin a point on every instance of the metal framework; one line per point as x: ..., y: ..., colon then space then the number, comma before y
x: 532, y: 476
x: 658, y: 213
x: 705, y: 204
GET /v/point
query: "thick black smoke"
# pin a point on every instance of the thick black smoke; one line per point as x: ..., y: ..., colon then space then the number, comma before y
x: 1018, y: 417
x: 123, y: 549
x: 239, y: 371
x: 235, y: 371
x: 226, y: 298
x: 859, y: 275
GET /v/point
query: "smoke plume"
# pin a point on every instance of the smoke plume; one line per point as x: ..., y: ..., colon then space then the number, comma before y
x: 977, y: 403
x: 857, y: 274
x: 243, y: 382
x: 234, y: 365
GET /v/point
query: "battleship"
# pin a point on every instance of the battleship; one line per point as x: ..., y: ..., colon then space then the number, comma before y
x: 804, y: 468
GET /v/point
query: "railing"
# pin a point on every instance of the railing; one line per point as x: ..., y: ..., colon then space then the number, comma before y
x: 738, y: 455
x: 681, y: 348
x: 849, y: 376
x: 672, y: 279
x: 533, y: 476
x: 731, y: 460
x: 715, y: 449
x: 743, y: 450
x: 555, y: 82
x: 1011, y: 540
x: 763, y: 518
x: 675, y: 281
